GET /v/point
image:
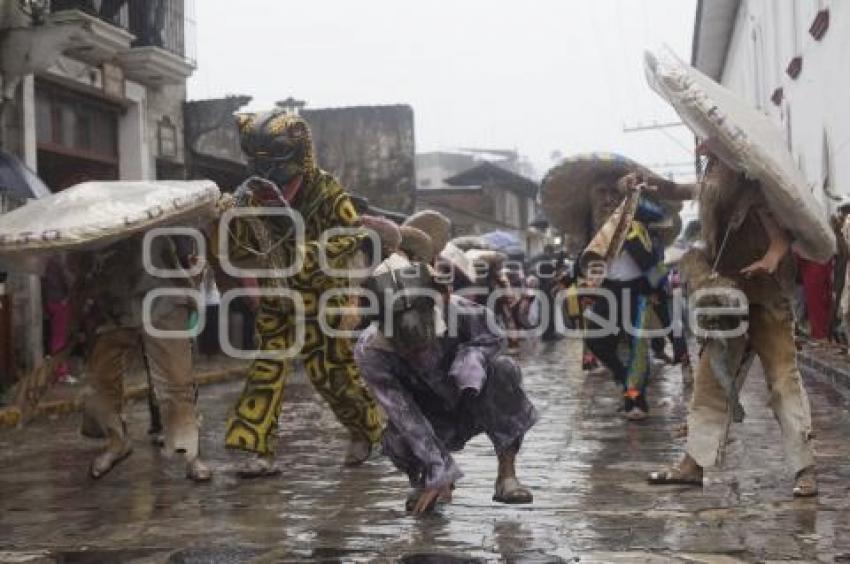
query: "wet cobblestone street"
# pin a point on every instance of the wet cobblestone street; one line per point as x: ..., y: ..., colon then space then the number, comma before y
x: 584, y: 463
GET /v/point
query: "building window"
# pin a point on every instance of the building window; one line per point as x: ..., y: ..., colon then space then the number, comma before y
x: 167, y: 139
x: 114, y: 12
x: 75, y: 124
x: 167, y: 24
x: 76, y: 136
x: 820, y: 22
x: 511, y: 209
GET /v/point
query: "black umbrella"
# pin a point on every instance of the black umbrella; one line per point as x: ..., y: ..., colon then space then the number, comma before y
x: 18, y: 180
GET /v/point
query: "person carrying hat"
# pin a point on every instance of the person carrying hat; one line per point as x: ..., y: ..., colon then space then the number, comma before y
x: 745, y: 244
x: 625, y: 315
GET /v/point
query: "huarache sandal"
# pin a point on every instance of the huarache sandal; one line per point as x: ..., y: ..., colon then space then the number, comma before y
x: 511, y: 491
x: 198, y: 471
x: 359, y: 450
x: 258, y: 468
x: 806, y: 484
x: 674, y: 476
x: 106, y: 461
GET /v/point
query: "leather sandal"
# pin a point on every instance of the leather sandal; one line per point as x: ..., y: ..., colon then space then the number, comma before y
x: 358, y: 452
x: 805, y: 484
x: 511, y: 491
x: 258, y: 468
x: 198, y: 471
x: 109, y: 459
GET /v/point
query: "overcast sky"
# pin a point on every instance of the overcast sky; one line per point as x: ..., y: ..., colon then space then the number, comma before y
x: 537, y: 76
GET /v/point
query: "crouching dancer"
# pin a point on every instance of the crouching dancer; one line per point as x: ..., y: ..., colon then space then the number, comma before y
x: 440, y: 386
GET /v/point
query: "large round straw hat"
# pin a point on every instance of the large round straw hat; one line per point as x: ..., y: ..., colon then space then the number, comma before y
x: 435, y: 224
x: 416, y: 244
x: 566, y: 198
x: 387, y: 231
x: 454, y: 255
x: 485, y: 261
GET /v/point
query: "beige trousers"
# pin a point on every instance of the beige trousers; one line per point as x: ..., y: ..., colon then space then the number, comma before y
x: 771, y: 337
x: 170, y: 362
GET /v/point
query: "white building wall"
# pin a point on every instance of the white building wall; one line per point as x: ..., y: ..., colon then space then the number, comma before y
x: 815, y: 110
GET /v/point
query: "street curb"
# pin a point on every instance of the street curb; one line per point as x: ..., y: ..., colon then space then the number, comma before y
x: 11, y: 416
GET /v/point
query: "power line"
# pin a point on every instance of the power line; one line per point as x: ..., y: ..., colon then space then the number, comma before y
x: 651, y: 127
x: 685, y: 148
x: 661, y: 128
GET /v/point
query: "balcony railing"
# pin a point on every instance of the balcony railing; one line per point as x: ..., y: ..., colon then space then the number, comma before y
x: 167, y: 24
x: 163, y: 23
x: 115, y: 12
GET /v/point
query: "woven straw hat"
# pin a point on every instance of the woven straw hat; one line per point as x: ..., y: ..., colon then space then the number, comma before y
x: 565, y: 192
x: 454, y: 256
x: 387, y: 231
x: 436, y: 225
x: 486, y: 261
x: 416, y: 244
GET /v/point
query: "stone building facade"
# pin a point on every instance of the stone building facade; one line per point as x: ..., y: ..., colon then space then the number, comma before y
x: 369, y: 148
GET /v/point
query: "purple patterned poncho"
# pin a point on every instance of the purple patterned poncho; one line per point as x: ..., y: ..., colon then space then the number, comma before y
x: 441, y: 397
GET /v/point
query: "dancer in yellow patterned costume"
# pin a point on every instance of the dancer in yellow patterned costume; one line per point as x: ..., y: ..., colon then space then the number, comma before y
x: 280, y: 152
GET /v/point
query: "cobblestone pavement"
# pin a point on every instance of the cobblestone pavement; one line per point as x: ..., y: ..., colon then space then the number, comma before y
x: 585, y: 464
